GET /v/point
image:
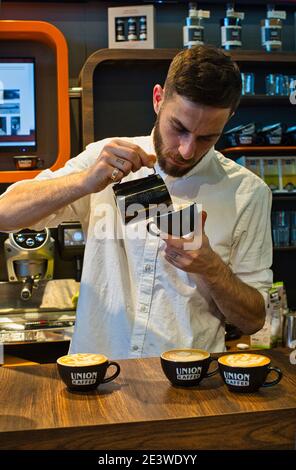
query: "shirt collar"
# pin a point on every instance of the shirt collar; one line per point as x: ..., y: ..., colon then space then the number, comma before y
x: 200, y: 166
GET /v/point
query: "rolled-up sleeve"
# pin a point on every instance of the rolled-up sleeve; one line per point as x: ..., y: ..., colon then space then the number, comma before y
x: 251, y: 254
x: 78, y: 210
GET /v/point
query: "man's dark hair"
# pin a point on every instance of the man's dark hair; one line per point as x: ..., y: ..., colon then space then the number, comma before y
x: 205, y: 75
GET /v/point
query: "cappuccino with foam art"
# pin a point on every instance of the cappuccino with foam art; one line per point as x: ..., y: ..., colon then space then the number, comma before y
x: 85, y: 371
x: 247, y: 372
x: 186, y: 367
x: 185, y: 355
x: 82, y: 359
x: 244, y: 360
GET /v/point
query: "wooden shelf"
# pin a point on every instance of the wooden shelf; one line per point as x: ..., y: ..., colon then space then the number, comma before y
x: 284, y: 197
x: 263, y: 57
x: 284, y: 248
x: 260, y: 150
x: 265, y: 100
x: 94, y: 65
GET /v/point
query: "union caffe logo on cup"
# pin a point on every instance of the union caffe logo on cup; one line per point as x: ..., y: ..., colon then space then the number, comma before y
x: 85, y: 371
x: 188, y: 373
x: 247, y: 372
x: 186, y: 367
x: 233, y: 378
x: 83, y: 378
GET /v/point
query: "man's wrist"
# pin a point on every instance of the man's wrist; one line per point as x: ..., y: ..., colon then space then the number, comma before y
x: 217, y: 271
x: 82, y: 183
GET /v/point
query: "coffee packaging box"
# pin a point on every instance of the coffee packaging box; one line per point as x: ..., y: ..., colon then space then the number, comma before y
x: 262, y: 338
x: 275, y: 316
x: 271, y: 333
x: 283, y: 296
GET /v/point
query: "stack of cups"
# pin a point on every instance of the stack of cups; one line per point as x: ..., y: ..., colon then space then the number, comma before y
x: 280, y: 228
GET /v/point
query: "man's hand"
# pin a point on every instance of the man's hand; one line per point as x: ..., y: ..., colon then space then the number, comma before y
x: 120, y: 155
x: 193, y: 261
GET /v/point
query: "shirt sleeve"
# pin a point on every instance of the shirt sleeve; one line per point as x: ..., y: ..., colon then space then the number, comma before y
x: 78, y: 210
x: 251, y: 254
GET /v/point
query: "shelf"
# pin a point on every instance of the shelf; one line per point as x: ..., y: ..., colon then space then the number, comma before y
x: 284, y: 248
x: 266, y: 100
x: 259, y: 150
x: 96, y: 68
x: 284, y: 196
x: 263, y: 57
x: 108, y: 66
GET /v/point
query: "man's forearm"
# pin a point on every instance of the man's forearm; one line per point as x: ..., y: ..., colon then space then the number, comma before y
x: 30, y: 202
x: 242, y: 305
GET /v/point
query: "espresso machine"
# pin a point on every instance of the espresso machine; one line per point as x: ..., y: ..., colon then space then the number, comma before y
x: 39, y: 291
x: 29, y: 259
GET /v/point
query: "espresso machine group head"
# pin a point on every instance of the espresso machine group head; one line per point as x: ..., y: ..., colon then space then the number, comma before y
x: 29, y: 258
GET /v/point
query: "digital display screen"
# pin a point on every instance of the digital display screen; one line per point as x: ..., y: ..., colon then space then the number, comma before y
x: 17, y: 104
x: 73, y: 237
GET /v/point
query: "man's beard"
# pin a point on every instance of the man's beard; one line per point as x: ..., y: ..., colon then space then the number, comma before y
x: 162, y: 156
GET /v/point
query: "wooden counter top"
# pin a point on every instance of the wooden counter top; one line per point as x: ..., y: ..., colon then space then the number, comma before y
x: 141, y: 410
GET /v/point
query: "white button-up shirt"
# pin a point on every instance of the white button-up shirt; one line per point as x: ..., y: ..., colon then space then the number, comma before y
x: 132, y: 302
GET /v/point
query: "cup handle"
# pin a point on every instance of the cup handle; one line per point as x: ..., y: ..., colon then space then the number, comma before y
x: 276, y: 381
x: 209, y: 374
x: 116, y: 373
x: 152, y: 231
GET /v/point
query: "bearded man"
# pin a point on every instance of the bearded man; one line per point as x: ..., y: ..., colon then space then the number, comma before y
x: 140, y: 296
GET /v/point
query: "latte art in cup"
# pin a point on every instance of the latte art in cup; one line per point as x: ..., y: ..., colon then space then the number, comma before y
x: 247, y: 372
x: 186, y: 367
x: 86, y: 371
x: 183, y: 355
x: 82, y: 359
x: 244, y: 360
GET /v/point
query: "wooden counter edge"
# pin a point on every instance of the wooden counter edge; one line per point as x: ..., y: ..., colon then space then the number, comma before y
x: 259, y: 430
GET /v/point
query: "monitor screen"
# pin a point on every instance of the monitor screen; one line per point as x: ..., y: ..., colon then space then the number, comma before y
x: 73, y: 237
x: 17, y: 104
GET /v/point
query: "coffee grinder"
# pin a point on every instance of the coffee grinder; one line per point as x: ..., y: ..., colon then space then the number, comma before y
x: 29, y: 258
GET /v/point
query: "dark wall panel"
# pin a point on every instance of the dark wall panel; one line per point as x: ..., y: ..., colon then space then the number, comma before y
x: 129, y: 113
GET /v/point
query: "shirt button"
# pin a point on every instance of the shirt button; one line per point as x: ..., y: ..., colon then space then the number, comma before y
x: 144, y: 308
x: 148, y: 268
x: 135, y: 347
